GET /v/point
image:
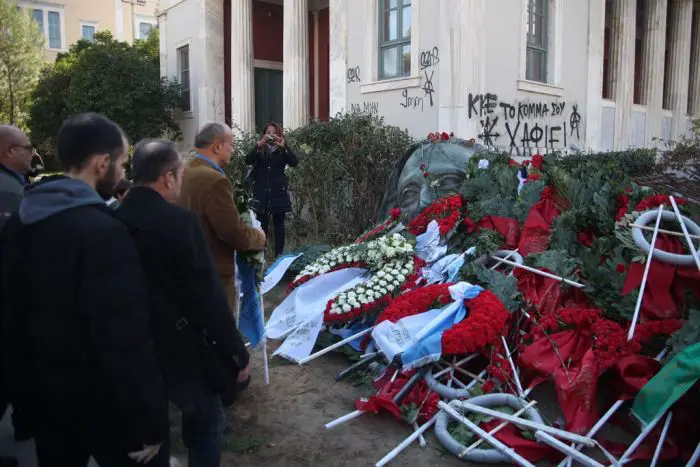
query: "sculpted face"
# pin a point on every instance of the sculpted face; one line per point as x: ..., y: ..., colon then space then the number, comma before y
x: 431, y: 172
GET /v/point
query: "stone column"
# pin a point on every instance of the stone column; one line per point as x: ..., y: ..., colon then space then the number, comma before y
x: 653, y: 69
x: 594, y: 99
x: 295, y: 80
x: 338, y: 54
x: 624, y: 20
x: 694, y: 109
x: 242, y: 82
x: 681, y: 22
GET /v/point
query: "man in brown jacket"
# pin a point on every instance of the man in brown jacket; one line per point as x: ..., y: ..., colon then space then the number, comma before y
x: 208, y: 193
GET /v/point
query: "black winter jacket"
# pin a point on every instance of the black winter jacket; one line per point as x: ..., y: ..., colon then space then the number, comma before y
x: 185, y: 291
x: 76, y: 337
x: 269, y: 182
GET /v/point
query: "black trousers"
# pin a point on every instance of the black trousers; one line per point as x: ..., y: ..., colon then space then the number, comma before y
x: 278, y: 224
x: 65, y: 445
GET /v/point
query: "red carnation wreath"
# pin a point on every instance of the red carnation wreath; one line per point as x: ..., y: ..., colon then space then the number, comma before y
x: 482, y: 327
x: 416, y: 301
x: 446, y: 211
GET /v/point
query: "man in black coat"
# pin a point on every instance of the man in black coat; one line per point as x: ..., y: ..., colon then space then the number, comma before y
x: 79, y: 357
x: 202, y: 354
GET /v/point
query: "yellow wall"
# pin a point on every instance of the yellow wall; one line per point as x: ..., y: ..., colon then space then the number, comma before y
x: 113, y: 15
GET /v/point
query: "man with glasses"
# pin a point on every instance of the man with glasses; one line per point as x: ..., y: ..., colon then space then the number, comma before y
x: 16, y: 154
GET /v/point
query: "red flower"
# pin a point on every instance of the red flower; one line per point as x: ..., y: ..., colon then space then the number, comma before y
x: 653, y: 202
x: 446, y: 211
x: 533, y: 176
x: 452, y: 134
x: 537, y: 161
x: 623, y: 204
x: 483, y: 326
x: 444, y: 136
x: 586, y: 238
x: 620, y: 268
x: 512, y: 163
x: 395, y: 213
x: 416, y: 301
x: 488, y: 386
x: 426, y: 174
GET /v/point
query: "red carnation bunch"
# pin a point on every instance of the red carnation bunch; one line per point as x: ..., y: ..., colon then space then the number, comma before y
x: 446, y: 211
x: 416, y: 301
x: 483, y: 326
x: 653, y: 202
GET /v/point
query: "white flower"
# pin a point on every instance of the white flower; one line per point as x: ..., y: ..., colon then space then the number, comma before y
x: 401, y: 278
x: 346, y: 308
x: 382, y: 283
x: 352, y: 294
x: 341, y: 301
x: 356, y: 305
x: 483, y: 164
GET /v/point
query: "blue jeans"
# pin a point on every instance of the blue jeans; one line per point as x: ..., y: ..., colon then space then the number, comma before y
x: 203, y: 424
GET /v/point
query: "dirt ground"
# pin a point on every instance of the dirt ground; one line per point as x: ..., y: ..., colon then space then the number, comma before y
x: 283, y: 424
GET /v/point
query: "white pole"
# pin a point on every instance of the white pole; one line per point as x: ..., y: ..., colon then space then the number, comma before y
x: 693, y: 251
x: 528, y: 423
x: 694, y: 458
x: 343, y: 419
x: 500, y: 260
x: 635, y: 317
x: 478, y: 442
x: 638, y: 440
x: 406, y: 442
x: 566, y: 449
x: 335, y: 346
x: 662, y: 438
x: 604, y: 419
x: 461, y: 362
x: 266, y: 365
x: 667, y: 232
x: 510, y: 452
x: 512, y: 367
x: 541, y: 273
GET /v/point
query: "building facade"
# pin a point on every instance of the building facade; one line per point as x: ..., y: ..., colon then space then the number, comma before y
x: 519, y: 75
x: 64, y: 22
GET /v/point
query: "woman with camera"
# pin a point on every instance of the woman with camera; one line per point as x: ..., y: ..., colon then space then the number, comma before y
x: 269, y: 158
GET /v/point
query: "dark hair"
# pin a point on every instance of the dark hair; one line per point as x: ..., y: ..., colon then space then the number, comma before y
x: 276, y: 126
x: 123, y: 186
x: 85, y: 135
x: 152, y: 158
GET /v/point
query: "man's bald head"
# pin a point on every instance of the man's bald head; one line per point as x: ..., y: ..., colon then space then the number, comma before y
x: 16, y: 151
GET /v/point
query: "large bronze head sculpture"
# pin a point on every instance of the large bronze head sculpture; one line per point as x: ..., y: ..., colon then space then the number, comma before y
x: 428, y: 170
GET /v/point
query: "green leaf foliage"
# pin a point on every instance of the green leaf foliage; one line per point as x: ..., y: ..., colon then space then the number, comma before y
x: 21, y: 59
x: 119, y: 80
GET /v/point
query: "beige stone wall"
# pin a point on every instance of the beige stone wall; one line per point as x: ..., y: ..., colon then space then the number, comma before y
x: 122, y: 17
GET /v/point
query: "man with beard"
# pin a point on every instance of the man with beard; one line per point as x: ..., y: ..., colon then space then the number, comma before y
x: 80, y: 360
x: 201, y: 353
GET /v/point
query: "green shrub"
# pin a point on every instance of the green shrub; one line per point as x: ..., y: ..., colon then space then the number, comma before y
x: 618, y: 165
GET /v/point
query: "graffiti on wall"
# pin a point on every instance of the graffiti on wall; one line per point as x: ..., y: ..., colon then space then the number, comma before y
x: 428, y: 60
x: 353, y: 75
x: 371, y: 108
x: 524, y: 124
